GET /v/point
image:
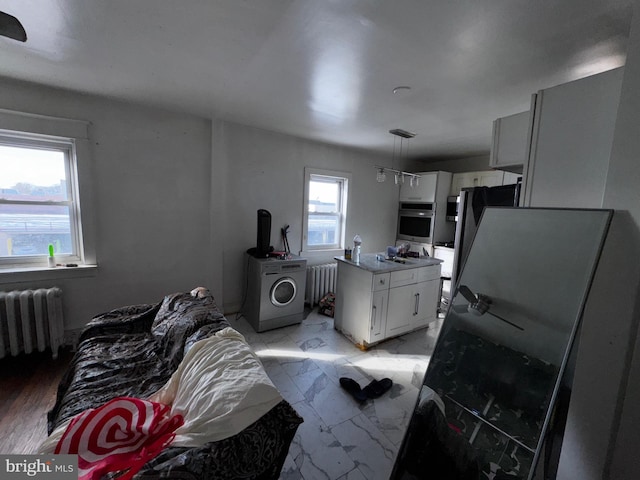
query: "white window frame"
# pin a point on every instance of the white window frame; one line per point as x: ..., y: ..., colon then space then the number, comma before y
x: 343, y: 179
x: 71, y: 136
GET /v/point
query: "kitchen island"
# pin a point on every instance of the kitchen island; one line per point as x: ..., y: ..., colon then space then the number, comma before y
x: 381, y: 299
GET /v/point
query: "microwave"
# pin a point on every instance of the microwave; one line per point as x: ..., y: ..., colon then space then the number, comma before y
x: 415, y: 222
x: 453, y: 207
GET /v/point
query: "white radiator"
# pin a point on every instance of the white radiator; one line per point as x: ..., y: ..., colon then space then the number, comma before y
x: 321, y: 279
x: 31, y: 319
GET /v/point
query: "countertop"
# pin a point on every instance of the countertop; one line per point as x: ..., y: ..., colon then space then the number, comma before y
x: 369, y: 262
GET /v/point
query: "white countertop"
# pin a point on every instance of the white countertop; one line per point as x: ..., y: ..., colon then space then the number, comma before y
x: 369, y: 262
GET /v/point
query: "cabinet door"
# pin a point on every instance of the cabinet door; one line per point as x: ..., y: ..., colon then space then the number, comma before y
x: 425, y: 303
x: 490, y: 179
x: 424, y: 192
x: 400, y: 311
x: 510, y: 136
x: 571, y: 142
x: 460, y: 181
x: 378, y: 315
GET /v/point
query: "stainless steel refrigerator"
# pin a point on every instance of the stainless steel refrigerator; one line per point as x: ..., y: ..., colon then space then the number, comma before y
x: 470, y: 208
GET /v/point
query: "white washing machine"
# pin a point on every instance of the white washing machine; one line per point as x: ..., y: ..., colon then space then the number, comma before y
x: 275, y: 292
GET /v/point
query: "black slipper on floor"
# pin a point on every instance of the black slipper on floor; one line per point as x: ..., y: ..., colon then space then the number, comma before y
x: 353, y: 388
x: 377, y: 387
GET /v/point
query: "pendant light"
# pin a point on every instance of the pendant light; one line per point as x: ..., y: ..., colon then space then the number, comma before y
x: 398, y: 175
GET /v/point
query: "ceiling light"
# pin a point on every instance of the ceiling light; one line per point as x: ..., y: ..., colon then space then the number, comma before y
x: 402, y: 133
x: 398, y: 175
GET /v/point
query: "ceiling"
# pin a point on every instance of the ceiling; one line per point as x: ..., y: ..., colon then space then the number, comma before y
x: 324, y: 70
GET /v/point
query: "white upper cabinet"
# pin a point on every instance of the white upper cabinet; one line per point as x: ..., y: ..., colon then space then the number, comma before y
x: 510, y: 138
x: 571, y: 142
x: 424, y: 192
x: 489, y: 178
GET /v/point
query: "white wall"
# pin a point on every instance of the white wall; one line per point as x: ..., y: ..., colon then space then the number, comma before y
x: 151, y: 174
x: 172, y: 212
x: 262, y: 169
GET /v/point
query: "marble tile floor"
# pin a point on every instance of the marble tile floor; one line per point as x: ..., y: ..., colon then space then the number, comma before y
x: 340, y: 438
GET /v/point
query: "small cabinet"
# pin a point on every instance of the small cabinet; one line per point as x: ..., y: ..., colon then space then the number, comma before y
x: 432, y: 188
x: 424, y: 192
x: 509, y: 146
x: 489, y: 178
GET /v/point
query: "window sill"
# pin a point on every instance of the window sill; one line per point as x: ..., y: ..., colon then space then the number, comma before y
x: 26, y: 274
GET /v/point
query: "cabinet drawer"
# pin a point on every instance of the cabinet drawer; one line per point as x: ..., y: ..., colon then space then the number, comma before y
x: 429, y: 273
x: 404, y: 277
x: 381, y: 282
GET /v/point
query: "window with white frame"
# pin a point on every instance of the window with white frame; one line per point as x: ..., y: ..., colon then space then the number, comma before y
x: 326, y: 194
x: 39, y: 207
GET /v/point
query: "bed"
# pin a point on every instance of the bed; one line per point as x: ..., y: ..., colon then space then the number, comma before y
x: 181, y: 352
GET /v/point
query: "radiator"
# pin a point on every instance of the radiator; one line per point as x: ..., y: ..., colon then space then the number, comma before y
x: 31, y: 319
x: 321, y: 279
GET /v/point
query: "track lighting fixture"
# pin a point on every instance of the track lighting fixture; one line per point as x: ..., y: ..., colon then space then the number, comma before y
x: 398, y: 175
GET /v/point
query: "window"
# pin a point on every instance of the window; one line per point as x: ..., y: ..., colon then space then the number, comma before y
x: 326, y: 209
x: 38, y: 199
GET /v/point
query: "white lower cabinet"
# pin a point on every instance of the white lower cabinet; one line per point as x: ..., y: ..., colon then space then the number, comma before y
x: 399, y: 313
x: 371, y: 307
x: 379, y: 314
x: 412, y: 306
x: 427, y: 301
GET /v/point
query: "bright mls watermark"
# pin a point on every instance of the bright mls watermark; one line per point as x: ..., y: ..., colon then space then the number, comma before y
x: 49, y: 467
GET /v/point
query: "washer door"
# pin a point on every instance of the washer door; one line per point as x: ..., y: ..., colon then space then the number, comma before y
x: 283, y: 292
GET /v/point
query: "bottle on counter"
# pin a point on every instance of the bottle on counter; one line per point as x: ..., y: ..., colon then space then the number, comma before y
x: 357, y: 242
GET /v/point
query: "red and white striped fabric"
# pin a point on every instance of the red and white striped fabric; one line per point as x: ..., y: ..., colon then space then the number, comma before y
x: 120, y: 436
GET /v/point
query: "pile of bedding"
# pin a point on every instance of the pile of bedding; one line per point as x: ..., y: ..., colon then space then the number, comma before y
x: 182, y: 354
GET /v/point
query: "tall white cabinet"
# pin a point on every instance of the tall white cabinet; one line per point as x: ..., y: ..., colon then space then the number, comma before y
x: 572, y: 133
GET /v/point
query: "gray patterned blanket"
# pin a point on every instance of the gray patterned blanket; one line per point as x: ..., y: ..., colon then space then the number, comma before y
x: 133, y: 351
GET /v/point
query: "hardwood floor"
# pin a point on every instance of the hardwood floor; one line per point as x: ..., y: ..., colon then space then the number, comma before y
x: 28, y: 385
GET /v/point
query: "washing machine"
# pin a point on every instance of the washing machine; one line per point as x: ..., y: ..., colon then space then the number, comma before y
x: 275, y: 292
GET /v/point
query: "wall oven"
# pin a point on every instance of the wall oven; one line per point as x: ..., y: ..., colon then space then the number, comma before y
x: 415, y: 222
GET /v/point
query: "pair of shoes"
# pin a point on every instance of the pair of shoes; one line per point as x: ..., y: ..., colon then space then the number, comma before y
x: 377, y: 388
x: 353, y: 388
x: 373, y: 390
